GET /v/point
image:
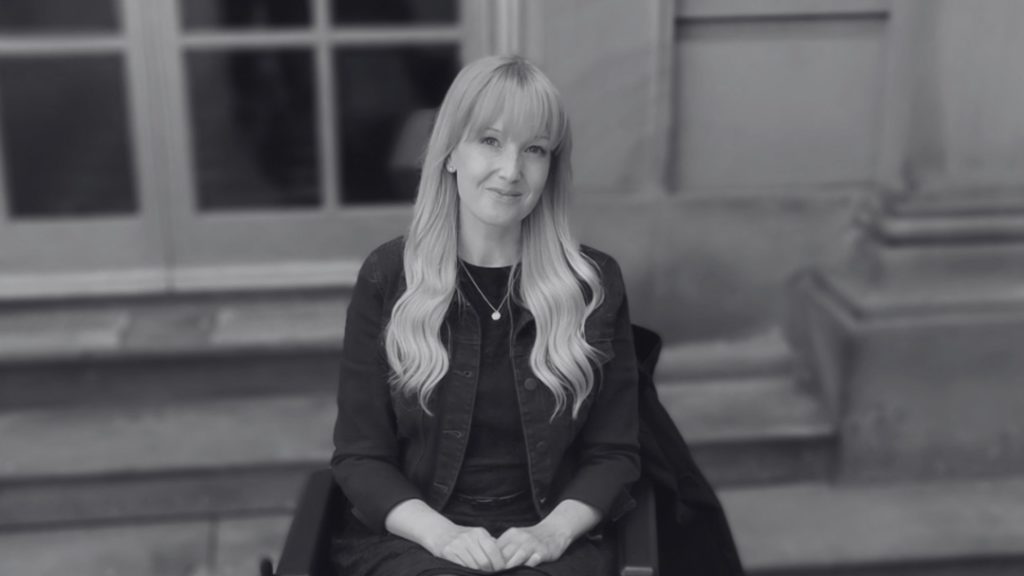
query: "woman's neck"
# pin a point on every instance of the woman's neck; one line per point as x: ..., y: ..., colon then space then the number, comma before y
x: 489, y: 247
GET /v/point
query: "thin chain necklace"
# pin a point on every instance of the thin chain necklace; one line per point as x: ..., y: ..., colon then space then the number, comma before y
x: 496, y: 311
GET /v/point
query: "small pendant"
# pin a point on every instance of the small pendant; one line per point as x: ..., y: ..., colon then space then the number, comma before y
x: 496, y: 315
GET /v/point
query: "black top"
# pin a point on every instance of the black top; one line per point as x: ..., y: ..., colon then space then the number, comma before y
x: 495, y: 463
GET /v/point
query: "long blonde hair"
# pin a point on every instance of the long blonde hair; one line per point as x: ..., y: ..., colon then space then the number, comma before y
x: 558, y: 284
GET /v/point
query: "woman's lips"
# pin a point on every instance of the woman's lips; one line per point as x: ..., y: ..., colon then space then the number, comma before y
x: 505, y: 193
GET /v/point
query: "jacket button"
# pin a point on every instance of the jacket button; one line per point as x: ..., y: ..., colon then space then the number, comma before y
x: 530, y: 384
x: 542, y: 445
x: 543, y: 499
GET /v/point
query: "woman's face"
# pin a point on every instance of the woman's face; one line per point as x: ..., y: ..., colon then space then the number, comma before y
x: 500, y: 174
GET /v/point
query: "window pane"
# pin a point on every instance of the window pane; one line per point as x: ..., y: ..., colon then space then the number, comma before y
x: 388, y: 97
x: 254, y: 129
x: 57, y: 15
x: 394, y: 11
x: 244, y: 13
x: 65, y: 136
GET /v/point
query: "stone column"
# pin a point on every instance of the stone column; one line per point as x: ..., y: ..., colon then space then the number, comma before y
x: 953, y: 108
x: 919, y: 340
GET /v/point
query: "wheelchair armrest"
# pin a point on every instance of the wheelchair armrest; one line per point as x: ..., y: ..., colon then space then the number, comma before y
x: 306, y: 549
x: 637, y: 535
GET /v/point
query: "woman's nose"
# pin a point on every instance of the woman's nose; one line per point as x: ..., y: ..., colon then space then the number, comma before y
x: 510, y: 164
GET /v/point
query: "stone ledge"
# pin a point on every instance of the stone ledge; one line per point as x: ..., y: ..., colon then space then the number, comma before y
x: 942, y: 229
x: 208, y: 435
x: 960, y: 202
x: 743, y: 410
x: 920, y: 299
x: 819, y: 528
x: 760, y: 354
x: 171, y: 326
x: 176, y: 496
x: 151, y: 550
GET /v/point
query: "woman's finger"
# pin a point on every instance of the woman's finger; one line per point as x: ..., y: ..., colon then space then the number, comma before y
x: 534, y: 560
x: 513, y: 536
x: 462, y: 557
x: 490, y: 548
x: 520, y: 555
x: 479, y: 556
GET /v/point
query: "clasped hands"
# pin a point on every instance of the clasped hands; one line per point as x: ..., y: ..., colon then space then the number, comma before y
x: 475, y: 548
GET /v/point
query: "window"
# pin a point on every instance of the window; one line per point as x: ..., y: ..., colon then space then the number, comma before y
x: 169, y: 134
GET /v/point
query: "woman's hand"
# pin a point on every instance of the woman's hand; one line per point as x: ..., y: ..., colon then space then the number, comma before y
x: 547, y: 540
x: 468, y: 547
x: 533, y: 545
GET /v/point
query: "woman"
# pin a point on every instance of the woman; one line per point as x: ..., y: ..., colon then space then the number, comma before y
x: 487, y: 406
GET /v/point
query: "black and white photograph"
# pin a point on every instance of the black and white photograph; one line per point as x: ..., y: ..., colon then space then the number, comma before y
x: 511, y: 287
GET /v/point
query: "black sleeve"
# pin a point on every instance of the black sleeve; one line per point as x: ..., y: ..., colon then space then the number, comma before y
x: 365, y: 461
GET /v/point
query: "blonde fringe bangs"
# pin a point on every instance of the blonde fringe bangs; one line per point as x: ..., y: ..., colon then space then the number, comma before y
x: 530, y: 108
x: 555, y: 276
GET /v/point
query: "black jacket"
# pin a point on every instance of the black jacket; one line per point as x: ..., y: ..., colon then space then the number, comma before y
x: 694, y: 538
x: 387, y: 449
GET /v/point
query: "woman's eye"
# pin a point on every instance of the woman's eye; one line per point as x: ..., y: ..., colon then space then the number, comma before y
x: 538, y: 150
x: 489, y: 141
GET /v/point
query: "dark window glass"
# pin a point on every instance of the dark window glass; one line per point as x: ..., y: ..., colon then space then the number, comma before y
x: 388, y: 97
x: 394, y: 11
x: 57, y: 15
x: 65, y: 136
x: 199, y: 14
x: 254, y: 129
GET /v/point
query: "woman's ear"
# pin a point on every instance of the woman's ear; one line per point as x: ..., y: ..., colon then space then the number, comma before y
x: 449, y: 165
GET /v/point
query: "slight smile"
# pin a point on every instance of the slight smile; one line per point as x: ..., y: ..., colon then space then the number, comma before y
x: 505, y: 194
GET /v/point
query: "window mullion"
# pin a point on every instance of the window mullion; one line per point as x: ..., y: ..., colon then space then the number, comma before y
x: 5, y: 213
x: 172, y: 183
x: 327, y: 112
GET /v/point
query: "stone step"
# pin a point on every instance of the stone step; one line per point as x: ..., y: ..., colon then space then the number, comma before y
x: 229, y: 546
x: 953, y: 217
x: 75, y: 353
x: 124, y: 439
x: 181, y: 495
x: 151, y: 462
x: 760, y: 354
x: 923, y: 296
x: 172, y: 326
x: 753, y: 430
x: 991, y: 263
x: 157, y: 380
x: 943, y: 229
x: 918, y: 529
x: 979, y: 201
x: 104, y: 462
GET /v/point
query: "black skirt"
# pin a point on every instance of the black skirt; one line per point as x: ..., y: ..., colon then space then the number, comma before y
x: 357, y: 551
